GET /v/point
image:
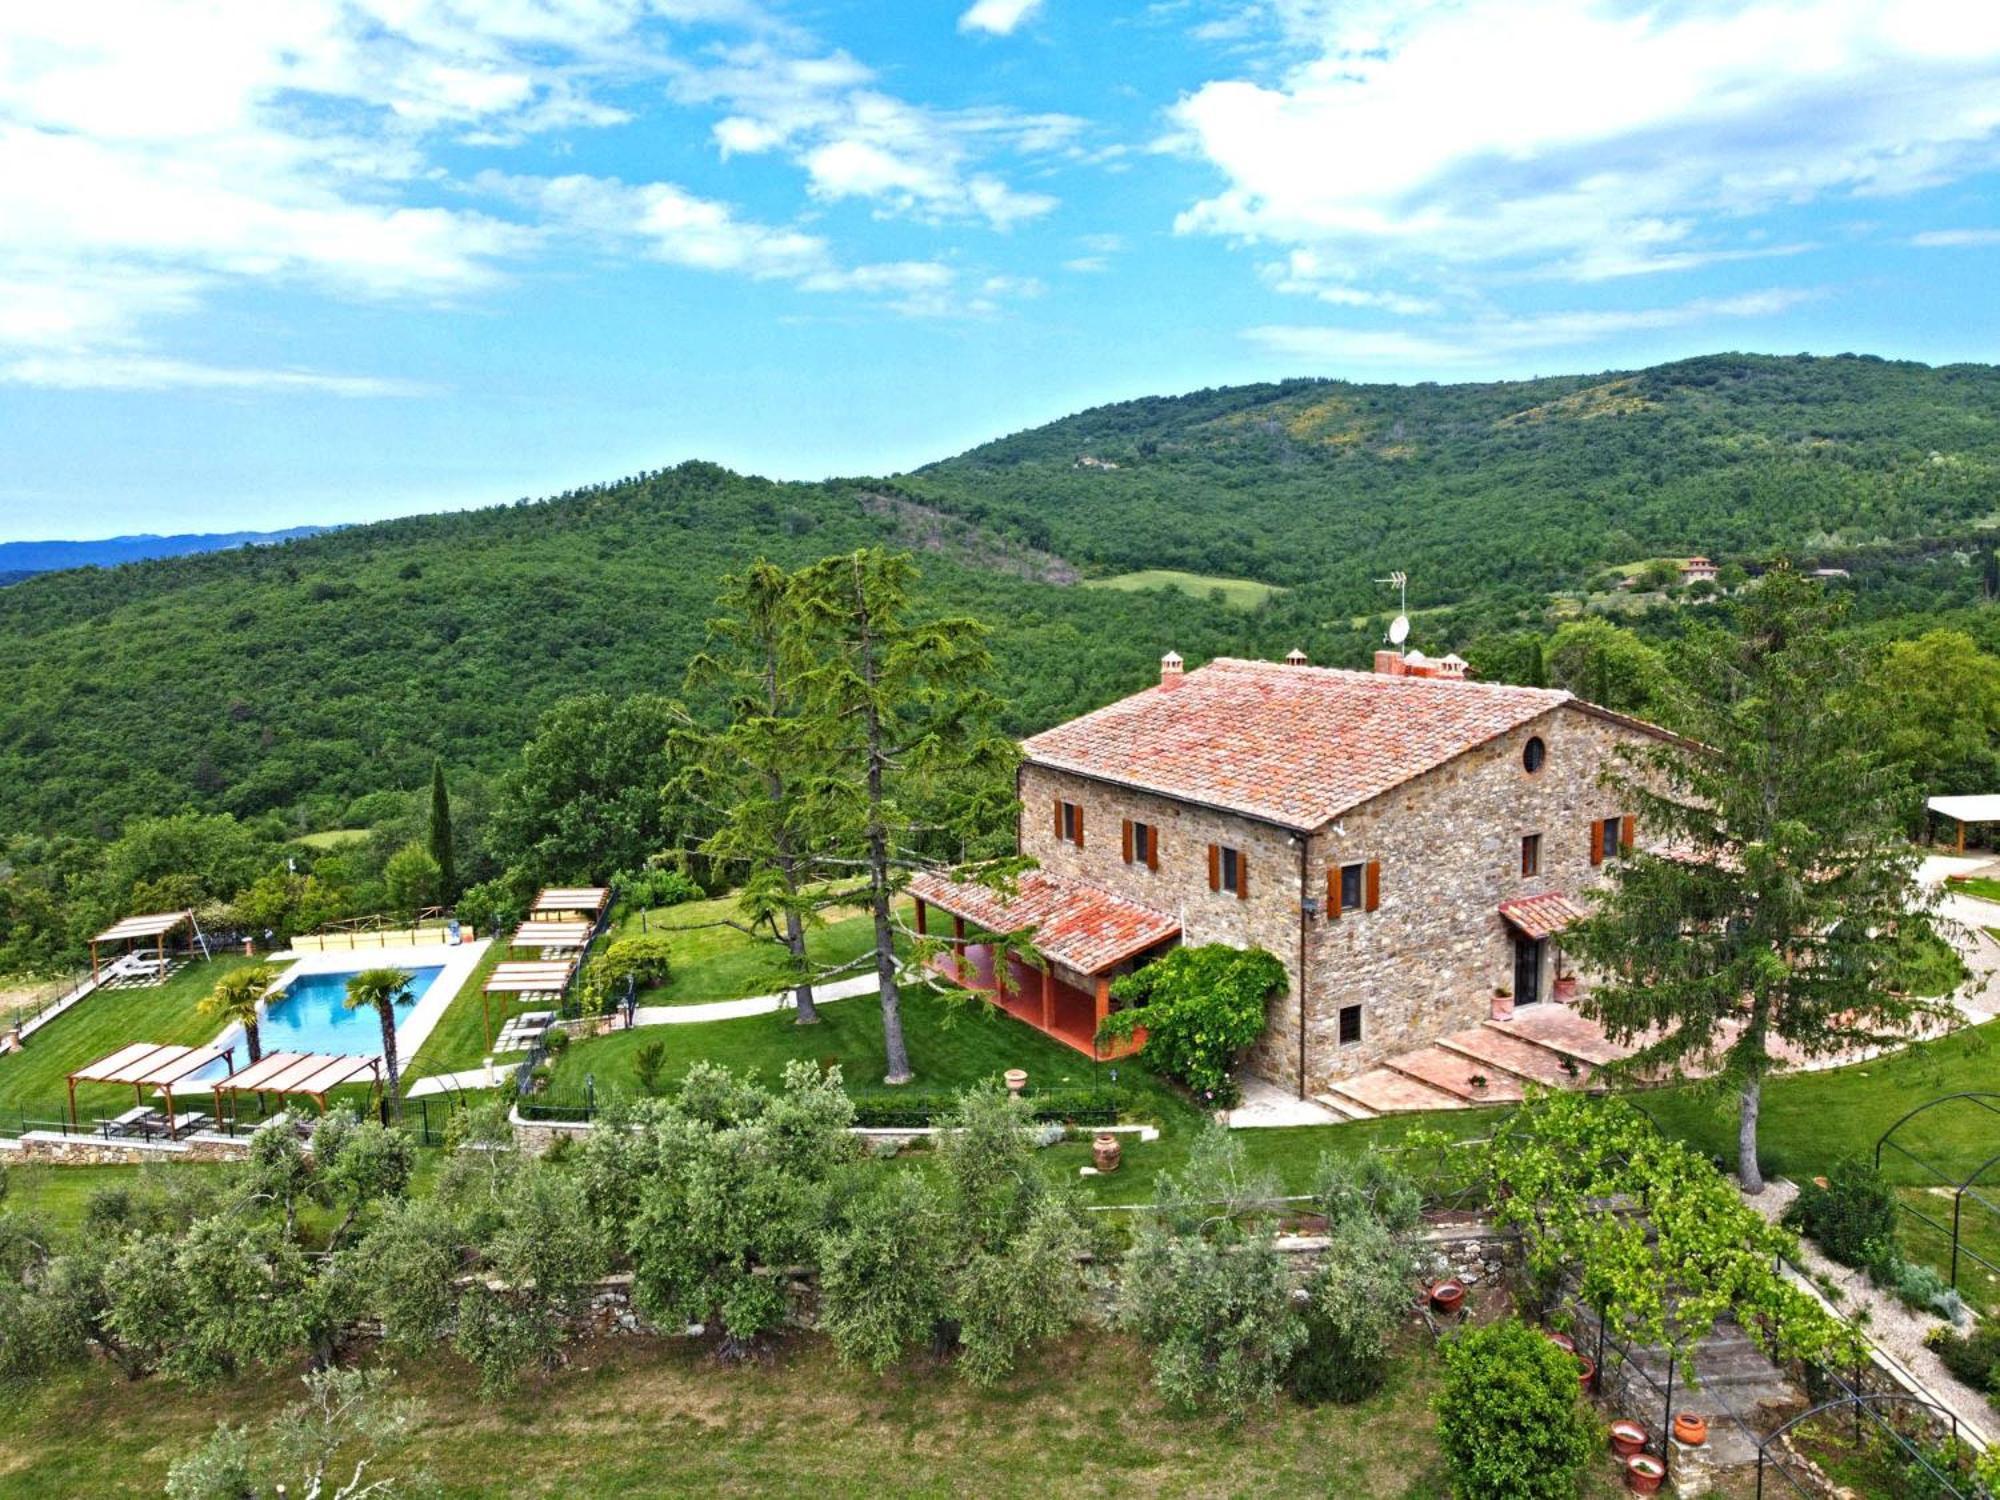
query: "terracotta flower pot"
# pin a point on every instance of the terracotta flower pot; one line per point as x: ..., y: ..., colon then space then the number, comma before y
x: 1106, y: 1153
x: 1690, y: 1429
x: 1561, y: 1340
x: 1016, y: 1079
x: 1447, y: 1295
x: 1643, y: 1474
x: 1503, y: 1007
x: 1586, y: 1367
x: 1627, y: 1437
x: 1565, y: 987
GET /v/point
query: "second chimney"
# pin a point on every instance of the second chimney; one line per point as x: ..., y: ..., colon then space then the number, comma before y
x: 1391, y: 664
x: 1170, y: 671
x: 1295, y: 658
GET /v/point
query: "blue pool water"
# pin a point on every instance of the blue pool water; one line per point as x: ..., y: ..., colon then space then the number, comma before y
x: 311, y: 1016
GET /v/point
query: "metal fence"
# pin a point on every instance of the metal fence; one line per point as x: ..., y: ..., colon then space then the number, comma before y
x: 426, y: 1121
x: 1963, y: 1190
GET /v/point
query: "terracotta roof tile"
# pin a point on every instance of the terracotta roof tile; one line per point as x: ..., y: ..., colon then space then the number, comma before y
x: 1541, y: 916
x: 1292, y: 745
x: 1076, y: 924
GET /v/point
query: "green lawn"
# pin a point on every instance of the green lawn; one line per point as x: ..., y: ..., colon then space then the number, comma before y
x: 458, y: 1041
x: 645, y: 1417
x: 333, y: 838
x: 32, y: 1079
x: 1239, y: 593
x: 712, y: 961
x: 1979, y: 885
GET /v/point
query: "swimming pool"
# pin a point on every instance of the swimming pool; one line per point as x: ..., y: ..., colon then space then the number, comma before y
x: 312, y: 1016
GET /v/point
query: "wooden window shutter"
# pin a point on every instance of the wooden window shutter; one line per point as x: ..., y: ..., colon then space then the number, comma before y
x: 1596, y: 842
x: 1242, y: 876
x: 1333, y: 890
x: 1215, y: 867
x: 1079, y: 825
x: 1153, y: 846
x: 1059, y: 808
x: 1128, y: 841
x: 1374, y: 879
x: 1626, y: 829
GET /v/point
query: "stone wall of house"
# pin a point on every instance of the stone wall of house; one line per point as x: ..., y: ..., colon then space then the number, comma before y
x: 1267, y: 918
x: 1426, y: 962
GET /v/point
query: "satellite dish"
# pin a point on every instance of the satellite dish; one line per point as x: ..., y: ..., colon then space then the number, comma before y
x: 1399, y: 630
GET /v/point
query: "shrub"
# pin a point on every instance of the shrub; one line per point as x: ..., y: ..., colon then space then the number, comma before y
x: 644, y: 960
x: 1200, y: 1008
x: 1354, y: 1302
x: 646, y: 1064
x: 1970, y: 1357
x: 1509, y: 1418
x: 1852, y: 1218
x: 882, y: 1268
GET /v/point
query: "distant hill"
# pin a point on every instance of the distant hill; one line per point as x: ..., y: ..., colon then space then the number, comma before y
x: 20, y: 560
x: 300, y: 677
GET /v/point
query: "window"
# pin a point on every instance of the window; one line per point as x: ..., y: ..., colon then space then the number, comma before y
x: 1610, y: 837
x: 1534, y: 753
x: 1069, y: 822
x: 1228, y: 870
x: 1350, y: 1025
x: 1353, y: 887
x: 1142, y: 844
x: 1531, y: 854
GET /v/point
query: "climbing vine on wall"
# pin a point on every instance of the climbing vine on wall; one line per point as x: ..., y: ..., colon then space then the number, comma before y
x: 1199, y: 1007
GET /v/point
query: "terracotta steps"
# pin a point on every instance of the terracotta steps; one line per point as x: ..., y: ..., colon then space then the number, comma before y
x: 1453, y: 1073
x: 1347, y: 1109
x: 1497, y: 1049
x: 1384, y: 1091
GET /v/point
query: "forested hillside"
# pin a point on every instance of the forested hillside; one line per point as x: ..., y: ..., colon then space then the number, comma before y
x: 299, y: 677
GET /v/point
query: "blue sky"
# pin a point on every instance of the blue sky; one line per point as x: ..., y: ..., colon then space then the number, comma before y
x: 266, y: 262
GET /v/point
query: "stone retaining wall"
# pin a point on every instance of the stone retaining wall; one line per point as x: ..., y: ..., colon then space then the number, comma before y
x: 53, y: 1148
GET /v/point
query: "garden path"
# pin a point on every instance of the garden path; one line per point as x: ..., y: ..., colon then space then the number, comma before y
x: 753, y: 1005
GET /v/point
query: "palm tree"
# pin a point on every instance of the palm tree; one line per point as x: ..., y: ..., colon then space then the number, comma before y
x: 236, y: 997
x: 384, y: 989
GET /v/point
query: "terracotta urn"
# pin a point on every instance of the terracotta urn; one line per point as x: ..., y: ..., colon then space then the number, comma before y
x: 1016, y: 1079
x: 1106, y: 1152
x: 1447, y: 1295
x: 1689, y: 1429
x: 1627, y: 1437
x: 1643, y: 1474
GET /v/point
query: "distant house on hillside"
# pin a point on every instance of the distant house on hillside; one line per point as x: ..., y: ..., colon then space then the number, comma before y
x: 1091, y: 461
x: 1699, y: 570
x: 1409, y: 843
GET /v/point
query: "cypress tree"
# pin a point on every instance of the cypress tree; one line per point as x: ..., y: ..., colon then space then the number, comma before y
x: 440, y: 840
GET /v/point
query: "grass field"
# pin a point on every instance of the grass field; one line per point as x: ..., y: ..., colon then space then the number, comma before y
x: 33, y: 1078
x: 458, y: 1041
x: 645, y: 1417
x: 1239, y: 593
x: 711, y: 961
x: 333, y: 838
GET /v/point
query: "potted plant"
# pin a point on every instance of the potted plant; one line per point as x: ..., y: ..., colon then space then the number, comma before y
x: 1447, y: 1295
x: 1503, y: 1003
x: 1690, y: 1430
x: 1016, y: 1079
x: 1643, y: 1474
x: 1627, y: 1437
x: 1586, y: 1370
x: 1476, y: 1082
x: 1565, y: 987
x: 1560, y: 1339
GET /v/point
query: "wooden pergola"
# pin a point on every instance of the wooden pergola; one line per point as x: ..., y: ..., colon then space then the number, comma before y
x: 155, y: 925
x: 514, y: 980
x: 147, y: 1065
x: 311, y: 1075
x: 569, y: 903
x: 552, y: 934
x: 1964, y: 810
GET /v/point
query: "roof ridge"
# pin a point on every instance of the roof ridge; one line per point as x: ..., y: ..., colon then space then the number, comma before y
x: 1284, y: 669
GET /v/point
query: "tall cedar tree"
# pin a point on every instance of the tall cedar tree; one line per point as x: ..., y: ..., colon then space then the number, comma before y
x: 1784, y: 902
x: 440, y: 838
x: 759, y: 769
x: 915, y: 774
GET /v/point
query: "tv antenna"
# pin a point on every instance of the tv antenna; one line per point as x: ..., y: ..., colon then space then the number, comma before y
x: 1399, y: 628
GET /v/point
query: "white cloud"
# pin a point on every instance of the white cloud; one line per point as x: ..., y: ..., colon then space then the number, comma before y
x: 855, y: 141
x: 1950, y: 239
x: 1480, y: 340
x: 152, y: 372
x: 1581, y: 138
x: 998, y: 17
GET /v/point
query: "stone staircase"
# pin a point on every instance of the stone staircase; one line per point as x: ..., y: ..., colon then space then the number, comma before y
x: 1549, y: 1045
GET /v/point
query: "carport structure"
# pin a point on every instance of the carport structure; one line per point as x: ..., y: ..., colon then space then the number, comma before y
x: 311, y: 1075
x: 147, y: 1065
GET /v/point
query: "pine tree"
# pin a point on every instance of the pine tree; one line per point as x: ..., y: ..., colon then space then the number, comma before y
x: 914, y: 771
x: 1538, y: 665
x: 1783, y: 907
x: 440, y: 836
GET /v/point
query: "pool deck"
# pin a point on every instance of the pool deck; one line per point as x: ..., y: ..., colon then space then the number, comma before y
x: 454, y: 963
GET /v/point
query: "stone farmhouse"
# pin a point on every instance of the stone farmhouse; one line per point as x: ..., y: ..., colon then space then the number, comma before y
x: 1408, y: 842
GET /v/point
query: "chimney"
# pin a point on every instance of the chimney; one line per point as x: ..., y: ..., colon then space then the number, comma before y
x: 1452, y: 666
x: 1390, y: 664
x: 1295, y: 657
x: 1170, y: 671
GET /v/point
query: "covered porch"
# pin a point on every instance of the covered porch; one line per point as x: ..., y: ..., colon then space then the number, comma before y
x: 1083, y: 936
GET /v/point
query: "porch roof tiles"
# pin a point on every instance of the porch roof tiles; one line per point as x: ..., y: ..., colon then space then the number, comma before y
x: 1074, y: 923
x: 1541, y: 916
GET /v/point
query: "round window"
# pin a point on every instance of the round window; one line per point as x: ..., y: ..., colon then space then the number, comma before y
x: 1534, y: 753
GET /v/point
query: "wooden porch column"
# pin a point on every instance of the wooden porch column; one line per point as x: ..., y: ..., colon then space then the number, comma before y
x: 958, y: 935
x: 1048, y: 997
x: 923, y: 915
x: 1103, y: 1010
x: 1961, y: 835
